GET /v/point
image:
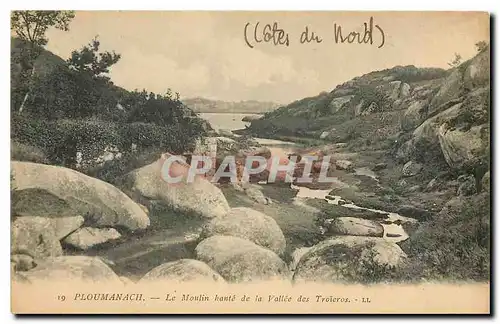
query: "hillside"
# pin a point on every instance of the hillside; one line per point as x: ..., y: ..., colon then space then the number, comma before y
x: 419, y: 140
x: 240, y: 107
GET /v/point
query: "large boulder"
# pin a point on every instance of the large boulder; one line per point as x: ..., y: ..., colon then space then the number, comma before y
x: 451, y: 88
x: 337, y: 103
x: 239, y: 260
x: 478, y: 71
x: 88, y: 237
x: 68, y: 192
x: 199, y: 197
x: 355, y: 226
x: 248, y: 224
x: 72, y: 268
x: 413, y: 115
x: 344, y: 165
x: 182, y: 270
x: 64, y: 226
x: 463, y: 148
x: 350, y: 259
x: 34, y: 236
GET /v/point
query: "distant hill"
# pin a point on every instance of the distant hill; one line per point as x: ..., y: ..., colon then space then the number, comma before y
x: 218, y: 106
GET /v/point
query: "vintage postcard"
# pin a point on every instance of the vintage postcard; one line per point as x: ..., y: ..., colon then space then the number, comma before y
x: 187, y: 162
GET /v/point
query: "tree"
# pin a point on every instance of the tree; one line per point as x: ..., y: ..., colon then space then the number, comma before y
x: 481, y: 46
x: 456, y: 61
x: 30, y: 26
x: 89, y: 60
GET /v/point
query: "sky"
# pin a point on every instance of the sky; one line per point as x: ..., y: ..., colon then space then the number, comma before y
x: 204, y: 54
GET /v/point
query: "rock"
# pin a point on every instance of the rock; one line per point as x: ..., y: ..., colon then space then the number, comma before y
x: 395, y: 90
x: 358, y: 110
x: 34, y: 236
x: 251, y: 118
x: 199, y: 197
x: 239, y: 260
x: 393, y: 235
x: 467, y: 186
x: 88, y: 237
x: 349, y: 259
x: 433, y: 185
x: 379, y: 166
x: 324, y: 135
x: 77, y: 268
x: 460, y: 148
x: 337, y: 103
x: 344, y: 165
x: 414, y: 115
x: 225, y: 132
x: 404, y: 90
x: 414, y: 188
x: 478, y: 71
x: 485, y: 182
x: 411, y: 169
x: 341, y: 202
x: 22, y: 262
x: 256, y: 195
x: 66, y: 225
x: 249, y: 224
x: 451, y: 88
x: 373, y: 107
x: 340, y: 145
x: 297, y: 255
x: 182, y: 270
x: 56, y: 191
x: 355, y: 226
x: 414, y: 212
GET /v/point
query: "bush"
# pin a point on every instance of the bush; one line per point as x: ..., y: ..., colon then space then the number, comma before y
x: 455, y: 245
x: 27, y: 153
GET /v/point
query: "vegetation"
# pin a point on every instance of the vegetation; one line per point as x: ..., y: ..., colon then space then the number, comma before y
x: 71, y: 107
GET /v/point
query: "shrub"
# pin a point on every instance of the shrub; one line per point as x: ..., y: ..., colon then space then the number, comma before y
x: 26, y: 152
x: 455, y: 244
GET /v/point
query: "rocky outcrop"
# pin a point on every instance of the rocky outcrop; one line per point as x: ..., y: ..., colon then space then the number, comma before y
x: 337, y: 103
x: 72, y: 268
x: 414, y: 115
x: 355, y: 226
x: 34, y: 236
x: 239, y: 260
x: 467, y: 185
x: 349, y: 259
x: 88, y: 237
x: 64, y: 226
x: 199, y: 197
x: 73, y: 193
x: 463, y: 148
x: 182, y: 270
x: 478, y: 72
x: 249, y: 224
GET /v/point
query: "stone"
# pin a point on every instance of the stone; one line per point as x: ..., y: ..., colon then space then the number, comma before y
x: 256, y: 195
x: 462, y: 148
x: 84, y: 269
x: 411, y: 169
x: 414, y: 115
x: 182, y: 270
x: 54, y: 191
x: 355, y: 226
x: 477, y: 72
x: 249, y: 224
x: 324, y: 135
x: 379, y: 166
x: 344, y: 165
x: 22, y: 262
x: 34, y: 236
x: 64, y: 226
x: 240, y: 260
x: 349, y: 259
x: 199, y: 197
x: 88, y: 237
